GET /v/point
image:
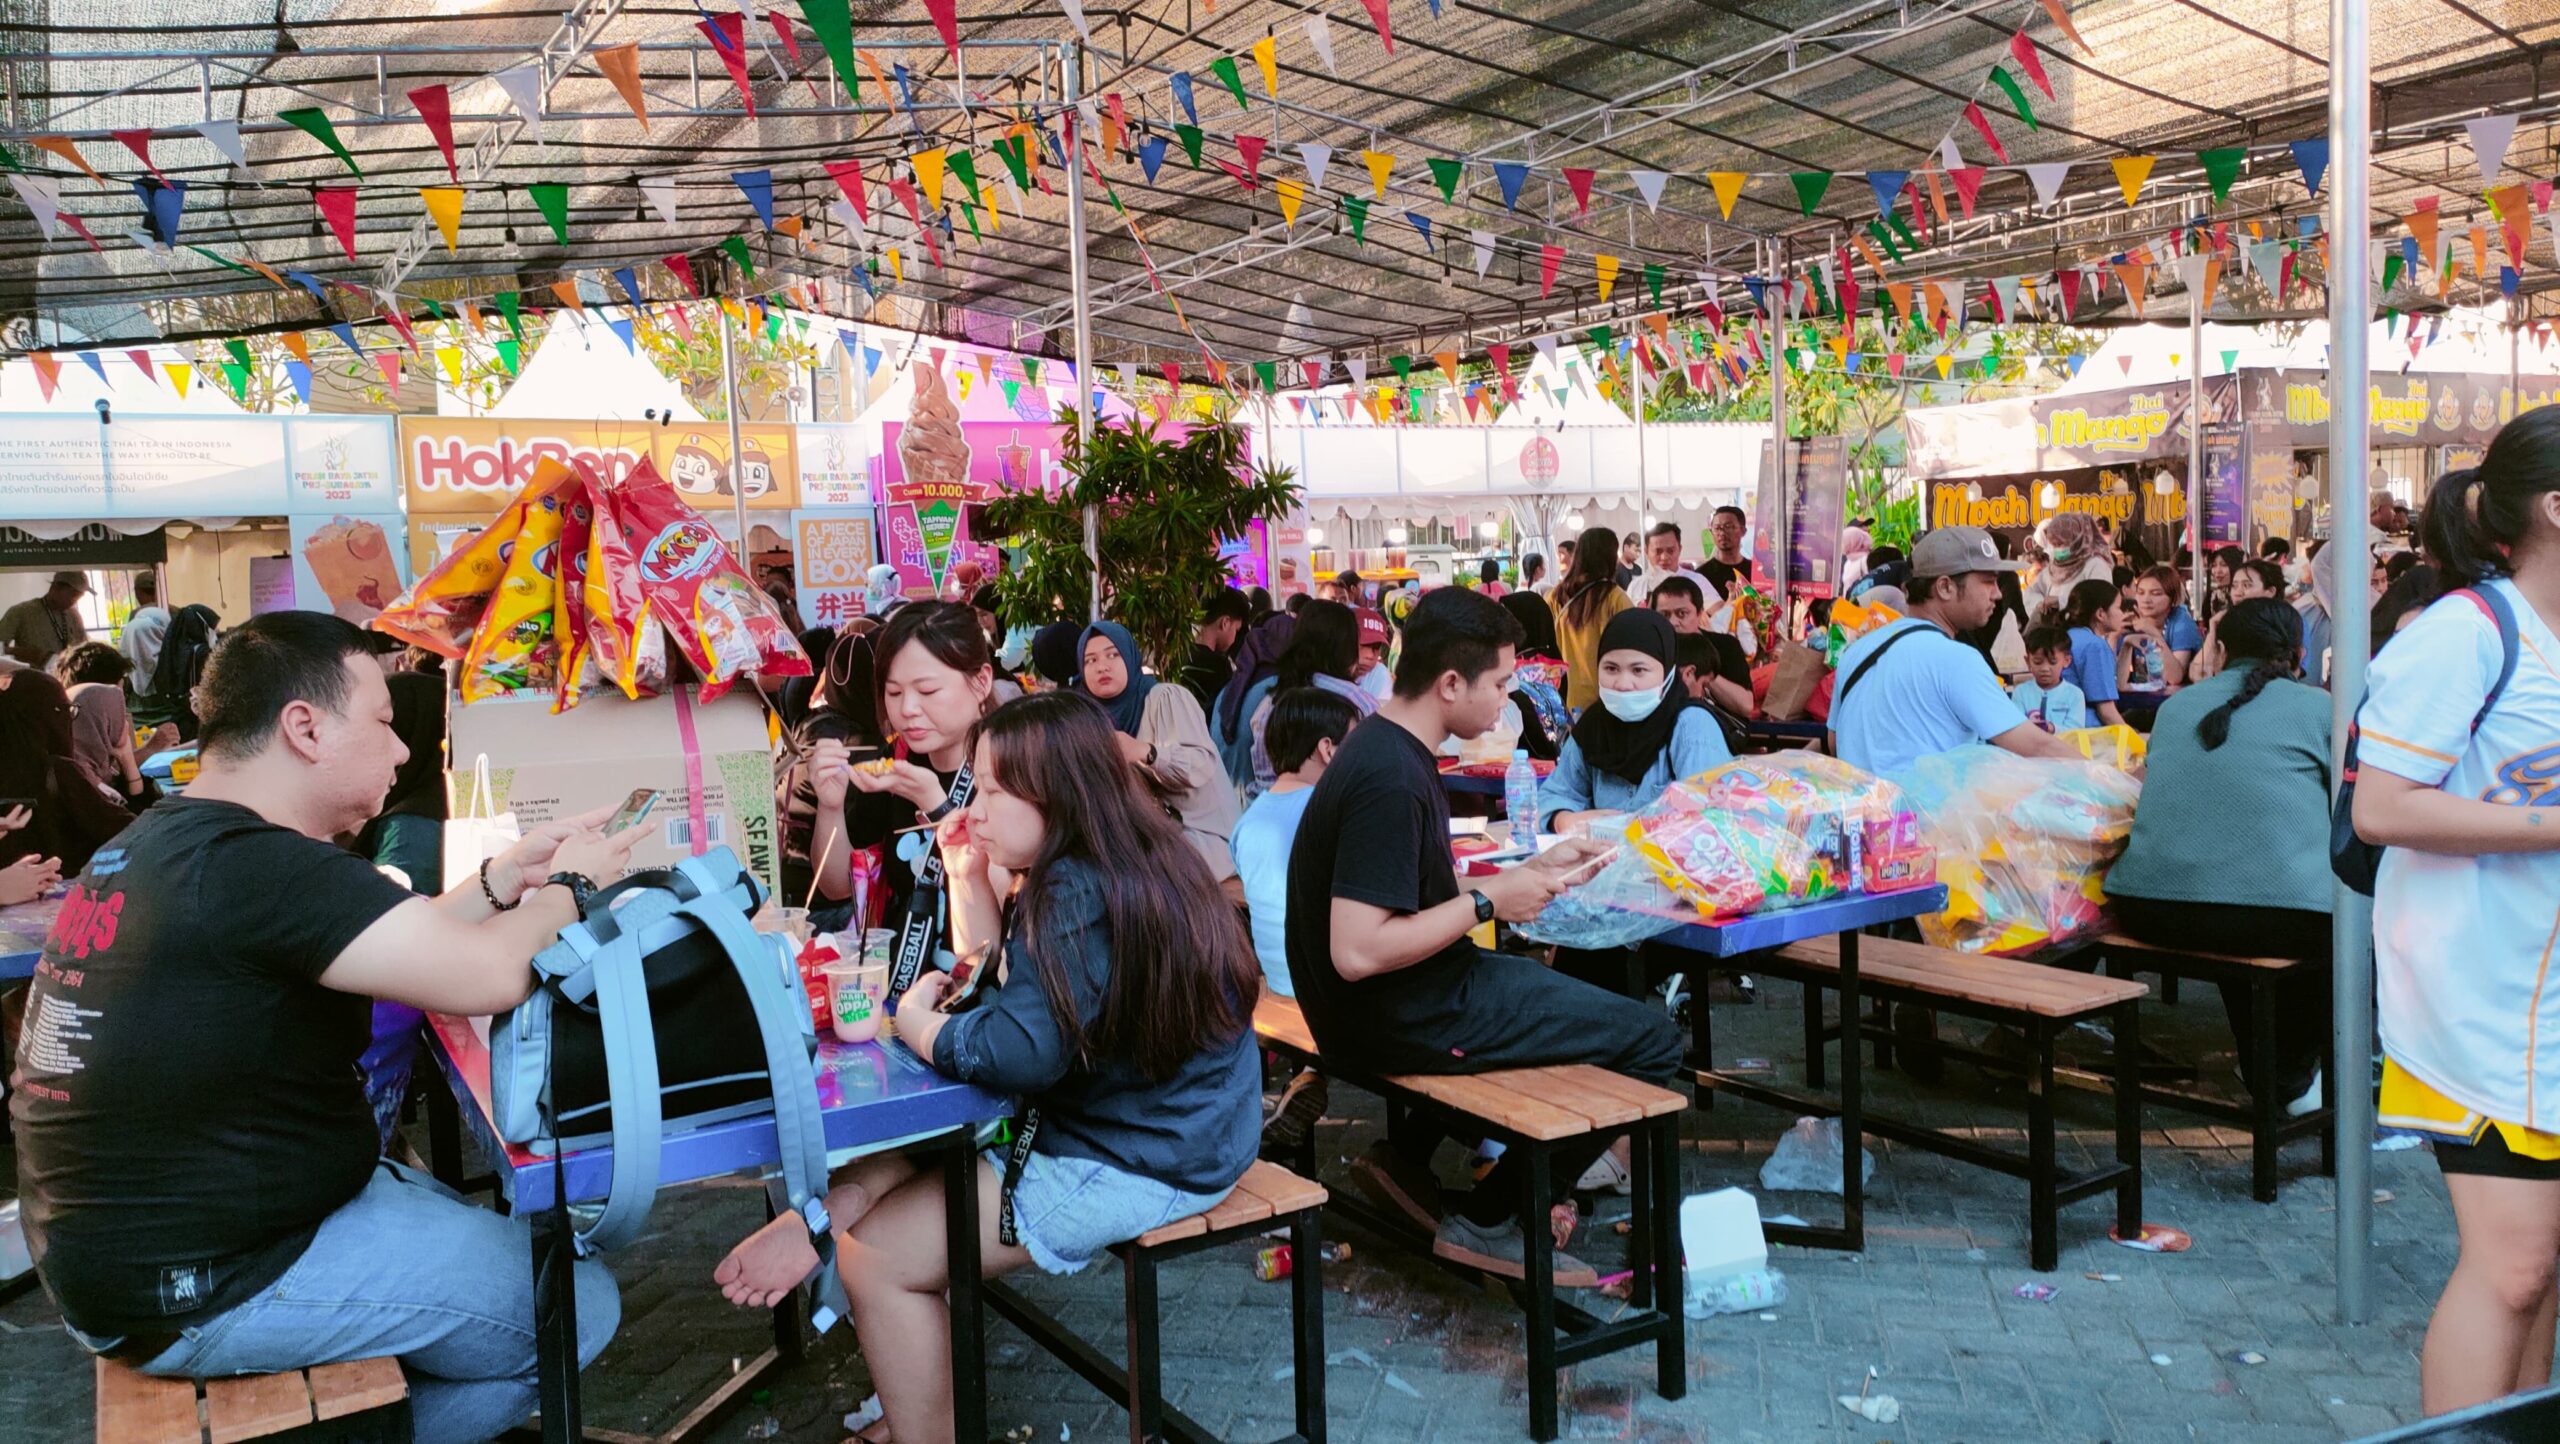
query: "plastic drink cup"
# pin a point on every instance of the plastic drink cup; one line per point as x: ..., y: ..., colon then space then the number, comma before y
x: 855, y: 995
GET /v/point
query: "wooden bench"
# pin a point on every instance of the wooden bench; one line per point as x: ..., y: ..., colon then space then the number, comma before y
x: 1529, y: 1111
x: 358, y: 1403
x: 2040, y: 1001
x: 2263, y: 1113
x: 1267, y: 1193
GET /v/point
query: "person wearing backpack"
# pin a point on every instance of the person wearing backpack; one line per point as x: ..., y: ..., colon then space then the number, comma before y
x: 2456, y: 780
x: 1123, y: 1022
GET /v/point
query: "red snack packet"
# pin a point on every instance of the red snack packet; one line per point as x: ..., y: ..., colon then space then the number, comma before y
x: 662, y: 555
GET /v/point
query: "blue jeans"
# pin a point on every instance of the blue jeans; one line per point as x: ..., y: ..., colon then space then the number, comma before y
x: 407, y: 1270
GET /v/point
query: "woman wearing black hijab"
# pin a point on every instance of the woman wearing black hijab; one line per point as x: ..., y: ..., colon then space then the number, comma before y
x: 1643, y: 734
x: 71, y: 816
x: 1537, y: 688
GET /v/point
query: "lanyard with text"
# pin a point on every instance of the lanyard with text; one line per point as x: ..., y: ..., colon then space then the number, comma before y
x: 917, y: 930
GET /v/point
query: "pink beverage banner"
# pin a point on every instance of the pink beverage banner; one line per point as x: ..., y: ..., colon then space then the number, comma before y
x: 1248, y: 557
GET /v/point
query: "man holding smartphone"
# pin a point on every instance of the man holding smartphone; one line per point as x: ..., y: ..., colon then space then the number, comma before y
x: 1378, y: 935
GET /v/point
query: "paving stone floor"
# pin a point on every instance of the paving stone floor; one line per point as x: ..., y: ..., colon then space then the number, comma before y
x: 1419, y: 1356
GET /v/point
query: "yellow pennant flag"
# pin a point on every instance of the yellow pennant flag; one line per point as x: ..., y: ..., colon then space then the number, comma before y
x: 963, y: 378
x: 1608, y: 389
x: 995, y: 218
x: 1292, y: 196
x: 1840, y: 347
x: 929, y: 165
x: 1266, y: 55
x: 444, y: 205
x: 1728, y: 188
x: 180, y: 373
x: 1379, y: 163
x: 450, y: 358
x: 2480, y: 251
x: 897, y: 265
x: 1946, y: 363
x: 1606, y: 269
x: 298, y: 344
x: 2131, y: 172
x: 567, y: 291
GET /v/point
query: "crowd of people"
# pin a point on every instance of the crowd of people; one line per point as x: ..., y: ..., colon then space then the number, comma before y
x: 1142, y: 846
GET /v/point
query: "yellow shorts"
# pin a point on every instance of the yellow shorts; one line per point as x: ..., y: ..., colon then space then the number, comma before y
x: 2410, y: 1104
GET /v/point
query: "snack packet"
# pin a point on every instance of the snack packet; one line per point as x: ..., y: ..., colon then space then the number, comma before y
x: 443, y: 609
x: 661, y: 559
x: 513, y: 648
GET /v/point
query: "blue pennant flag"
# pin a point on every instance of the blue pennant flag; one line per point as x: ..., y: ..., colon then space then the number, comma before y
x: 2074, y: 363
x: 1850, y: 363
x: 1512, y: 174
x: 96, y: 365
x: 1887, y: 184
x: 870, y: 359
x: 2409, y: 255
x: 1151, y: 155
x: 301, y: 378
x: 347, y: 333
x: 2308, y: 226
x: 311, y: 283
x: 2313, y: 157
x: 851, y: 343
x: 630, y: 281
x: 2508, y: 280
x: 862, y: 274
x: 161, y: 205
x: 1421, y: 223
x: 758, y: 184
x: 1182, y: 93
x: 1759, y: 290
x: 622, y: 328
x: 1435, y: 9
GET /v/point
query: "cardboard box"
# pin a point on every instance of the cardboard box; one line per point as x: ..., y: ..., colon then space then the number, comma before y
x: 544, y: 766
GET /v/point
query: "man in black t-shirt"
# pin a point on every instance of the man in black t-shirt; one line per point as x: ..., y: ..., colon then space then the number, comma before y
x: 1209, y: 666
x: 1728, y: 565
x: 197, y: 1163
x: 1378, y: 947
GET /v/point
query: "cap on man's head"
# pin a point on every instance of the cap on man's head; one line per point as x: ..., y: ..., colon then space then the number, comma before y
x: 77, y: 581
x: 1373, y: 627
x: 1952, y: 551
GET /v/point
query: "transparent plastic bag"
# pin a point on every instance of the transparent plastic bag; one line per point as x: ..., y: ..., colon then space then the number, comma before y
x: 1838, y: 815
x: 1748, y: 1292
x: 1623, y: 905
x: 1807, y: 1159
x: 2023, y: 845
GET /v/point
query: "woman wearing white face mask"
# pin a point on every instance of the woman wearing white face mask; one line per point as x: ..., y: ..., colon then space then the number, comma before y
x: 1643, y: 734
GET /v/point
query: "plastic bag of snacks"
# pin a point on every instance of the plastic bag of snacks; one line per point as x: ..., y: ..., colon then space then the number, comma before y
x: 1847, y: 817
x: 442, y: 611
x: 2023, y: 846
x: 2118, y: 746
x: 1850, y: 621
x: 1722, y: 863
x: 662, y: 554
x: 1625, y: 904
x: 516, y: 647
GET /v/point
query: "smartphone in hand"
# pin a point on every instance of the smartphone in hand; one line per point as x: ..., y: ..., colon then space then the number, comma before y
x: 633, y: 811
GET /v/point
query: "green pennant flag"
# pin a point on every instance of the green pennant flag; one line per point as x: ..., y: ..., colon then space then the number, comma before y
x: 312, y: 121
x: 969, y: 213
x: 510, y: 355
x: 1413, y: 403
x: 1012, y: 393
x: 1190, y: 137
x: 511, y: 305
x: 1884, y: 238
x: 2009, y: 86
x: 2390, y: 270
x: 1010, y: 149
x: 2222, y: 167
x: 1792, y: 363
x: 1810, y: 184
x: 2230, y: 359
x: 239, y: 350
x: 220, y: 260
x: 832, y: 22
x: 552, y: 199
x: 1357, y: 208
x: 1268, y: 373
x: 737, y: 249
x: 1031, y: 369
x: 1909, y: 241
x: 1447, y: 172
x: 1404, y: 368
x: 1224, y: 67
x: 1653, y: 282
x: 773, y: 325
x: 964, y: 165
x: 1600, y: 336
x: 10, y: 161
x: 433, y: 309
x: 238, y: 375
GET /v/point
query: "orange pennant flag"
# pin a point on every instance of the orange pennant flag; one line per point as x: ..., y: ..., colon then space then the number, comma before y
x: 1660, y: 326
x: 2510, y: 204
x: 48, y: 371
x: 567, y: 291
x: 1869, y: 251
x: 57, y: 145
x: 789, y: 226
x: 2422, y: 224
x: 1900, y: 291
x: 298, y: 344
x: 2131, y: 274
x: 621, y: 65
x: 1937, y: 196
x: 2062, y: 17
x: 470, y: 313
x: 1448, y: 364
x: 263, y: 269
x: 2212, y: 278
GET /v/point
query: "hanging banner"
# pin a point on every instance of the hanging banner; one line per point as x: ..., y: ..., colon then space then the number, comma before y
x: 2118, y: 497
x: 2226, y: 496
x: 1290, y: 571
x: 85, y: 549
x: 1816, y: 505
x: 1248, y: 557
x: 467, y: 465
x: 2110, y: 427
x: 835, y: 465
x: 2418, y: 408
x: 832, y: 557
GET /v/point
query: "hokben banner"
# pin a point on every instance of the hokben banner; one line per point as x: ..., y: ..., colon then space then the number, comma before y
x: 466, y: 466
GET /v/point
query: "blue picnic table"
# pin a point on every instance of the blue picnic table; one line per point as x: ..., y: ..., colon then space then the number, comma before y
x: 22, y: 930
x: 870, y: 1094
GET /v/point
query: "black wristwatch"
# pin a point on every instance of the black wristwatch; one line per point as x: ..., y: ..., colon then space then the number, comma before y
x: 1484, y: 906
x: 581, y: 888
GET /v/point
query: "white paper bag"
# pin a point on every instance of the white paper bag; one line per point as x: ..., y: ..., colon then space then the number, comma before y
x: 476, y: 831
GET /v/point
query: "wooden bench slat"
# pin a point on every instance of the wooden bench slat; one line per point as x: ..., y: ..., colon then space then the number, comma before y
x: 1567, y: 1088
x: 1487, y: 1097
x: 1995, y: 982
x: 1647, y: 1100
x: 1277, y: 1019
x: 1285, y: 1191
x: 1174, y: 1232
x: 135, y: 1408
x: 338, y: 1390
x: 2119, y: 943
x: 1267, y: 1190
x: 237, y: 1409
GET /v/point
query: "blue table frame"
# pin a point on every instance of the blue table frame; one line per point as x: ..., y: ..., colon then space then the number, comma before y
x: 870, y: 1093
x: 1844, y: 916
x: 22, y: 930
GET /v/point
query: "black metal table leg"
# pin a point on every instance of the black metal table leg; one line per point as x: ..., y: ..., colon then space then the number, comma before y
x: 2128, y: 1062
x: 1306, y: 1304
x: 1671, y: 1348
x: 1539, y: 1284
x: 1640, y: 1204
x: 2043, y: 1223
x: 1813, y: 1060
x: 2266, y: 1110
x: 555, y: 1324
x: 1853, y: 1182
x: 444, y: 1134
x: 968, y: 1325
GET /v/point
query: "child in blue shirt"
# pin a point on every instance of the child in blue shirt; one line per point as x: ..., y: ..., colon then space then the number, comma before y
x: 2095, y: 614
x: 2050, y: 702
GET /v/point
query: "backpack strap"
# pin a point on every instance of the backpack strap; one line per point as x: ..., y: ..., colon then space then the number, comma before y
x: 2510, y: 643
x: 631, y: 1076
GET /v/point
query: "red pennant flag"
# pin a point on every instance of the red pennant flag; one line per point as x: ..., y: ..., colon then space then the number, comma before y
x: 848, y: 178
x: 1500, y: 353
x: 682, y: 267
x: 2025, y: 50
x: 435, y: 107
x: 728, y: 37
x: 1715, y: 313
x: 1378, y: 13
x: 790, y: 42
x: 1973, y: 112
x: 2284, y: 277
x: 1315, y: 378
x: 1114, y: 134
x: 408, y: 333
x: 1251, y: 145
x: 388, y: 362
x: 75, y: 223
x: 1549, y: 257
x: 2070, y: 279
x: 1893, y: 364
x: 142, y: 360
x: 946, y: 19
x: 338, y: 205
x: 1580, y: 180
x: 1173, y: 374
x: 1237, y: 171
x: 139, y: 142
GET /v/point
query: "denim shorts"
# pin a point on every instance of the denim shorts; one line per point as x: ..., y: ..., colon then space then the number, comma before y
x: 1066, y: 1210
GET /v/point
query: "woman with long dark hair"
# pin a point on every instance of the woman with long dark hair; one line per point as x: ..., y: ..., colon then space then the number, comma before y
x: 2094, y: 613
x: 1121, y: 1023
x: 1537, y: 679
x: 843, y: 706
x: 72, y: 816
x: 2463, y: 906
x: 1585, y: 600
x: 2160, y: 639
x: 2221, y: 859
x: 1323, y: 652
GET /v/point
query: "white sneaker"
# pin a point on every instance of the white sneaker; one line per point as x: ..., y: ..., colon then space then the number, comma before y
x: 1606, y: 1174
x: 2310, y: 1101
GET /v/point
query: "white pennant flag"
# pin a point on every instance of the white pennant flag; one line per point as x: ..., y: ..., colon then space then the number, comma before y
x: 523, y: 85
x: 1320, y: 35
x: 225, y: 135
x: 1316, y: 157
x: 1358, y: 366
x: 1949, y: 158
x: 661, y: 195
x: 1089, y: 121
x: 1649, y: 186
x: 42, y: 195
x: 2048, y: 179
x: 146, y: 244
x: 2007, y: 287
x: 1075, y: 14
x: 1547, y: 348
x: 1129, y: 377
x: 851, y: 219
x: 1484, y: 251
x: 2489, y: 137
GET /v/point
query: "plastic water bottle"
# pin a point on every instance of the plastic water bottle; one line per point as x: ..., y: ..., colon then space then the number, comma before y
x: 1520, y: 800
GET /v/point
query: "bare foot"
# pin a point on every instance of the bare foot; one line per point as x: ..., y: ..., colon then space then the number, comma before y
x: 876, y: 1432
x: 768, y: 1264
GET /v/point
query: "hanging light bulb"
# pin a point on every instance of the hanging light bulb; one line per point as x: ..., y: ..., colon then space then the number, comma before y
x: 1573, y: 521
x: 1396, y: 536
x: 1315, y: 536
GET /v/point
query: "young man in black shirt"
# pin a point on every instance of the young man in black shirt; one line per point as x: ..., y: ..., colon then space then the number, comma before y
x: 196, y: 1160
x: 1210, y: 664
x: 1378, y: 924
x: 1728, y: 565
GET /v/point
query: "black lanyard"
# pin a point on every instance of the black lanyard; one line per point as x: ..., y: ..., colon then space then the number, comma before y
x: 919, y: 929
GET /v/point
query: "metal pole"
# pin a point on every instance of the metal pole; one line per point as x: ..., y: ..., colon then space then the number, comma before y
x: 737, y: 452
x: 2195, y: 437
x: 1077, y: 282
x: 1644, y: 488
x: 1778, y: 525
x: 2350, y: 408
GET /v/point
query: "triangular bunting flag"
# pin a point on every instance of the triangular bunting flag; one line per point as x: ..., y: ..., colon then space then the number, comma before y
x: 1292, y: 195
x: 1510, y: 175
x: 1579, y: 180
x: 2017, y: 98
x: 435, y: 108
x: 1320, y: 35
x: 1549, y: 259
x: 314, y: 122
x: 1315, y: 157
x: 338, y: 206
x: 2489, y: 137
x: 621, y: 65
x: 444, y: 207
x: 1887, y: 184
x: 1380, y: 165
x: 1378, y: 13
x: 1224, y: 67
x: 1727, y: 185
x: 2047, y: 179
x: 2131, y: 172
x: 1810, y: 184
x: 2312, y: 158
x: 757, y: 186
x: 2221, y: 168
x: 523, y: 85
x: 661, y: 195
x: 1266, y: 58
x: 1446, y: 173
x: 552, y: 199
x: 1982, y: 126
x: 1648, y: 184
